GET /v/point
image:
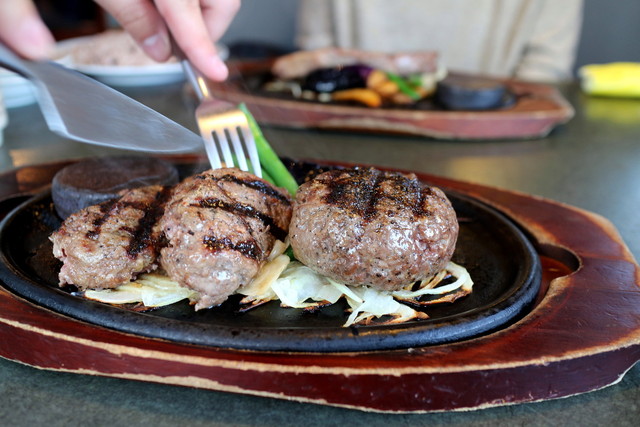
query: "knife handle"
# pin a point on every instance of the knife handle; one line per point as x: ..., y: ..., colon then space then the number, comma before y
x: 13, y: 62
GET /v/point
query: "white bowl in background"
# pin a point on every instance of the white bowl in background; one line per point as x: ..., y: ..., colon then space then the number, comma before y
x: 16, y: 90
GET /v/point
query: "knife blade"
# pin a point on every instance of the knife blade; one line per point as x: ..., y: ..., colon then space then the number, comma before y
x: 78, y: 107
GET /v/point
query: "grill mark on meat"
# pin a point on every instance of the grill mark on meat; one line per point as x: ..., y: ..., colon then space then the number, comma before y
x: 411, y: 194
x: 105, y: 209
x: 373, y: 198
x: 249, y: 249
x: 362, y: 193
x: 425, y: 193
x: 246, y: 211
x: 353, y: 194
x: 253, y: 184
x: 142, y: 235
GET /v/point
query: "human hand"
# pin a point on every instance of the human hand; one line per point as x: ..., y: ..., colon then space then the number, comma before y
x: 194, y: 24
x: 23, y: 31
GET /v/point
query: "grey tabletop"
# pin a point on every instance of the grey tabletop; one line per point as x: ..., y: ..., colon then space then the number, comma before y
x: 590, y: 162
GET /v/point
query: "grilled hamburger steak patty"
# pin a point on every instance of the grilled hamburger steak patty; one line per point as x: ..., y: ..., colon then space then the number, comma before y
x: 367, y: 227
x: 106, y: 245
x: 220, y: 226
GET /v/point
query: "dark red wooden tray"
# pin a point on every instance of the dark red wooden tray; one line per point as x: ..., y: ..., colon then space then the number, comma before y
x: 537, y: 110
x: 582, y: 335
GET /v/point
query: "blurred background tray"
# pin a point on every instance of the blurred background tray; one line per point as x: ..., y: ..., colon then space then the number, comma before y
x: 538, y: 108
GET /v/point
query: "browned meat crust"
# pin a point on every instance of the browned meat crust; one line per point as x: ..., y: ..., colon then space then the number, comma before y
x: 220, y: 226
x: 106, y: 245
x: 364, y: 226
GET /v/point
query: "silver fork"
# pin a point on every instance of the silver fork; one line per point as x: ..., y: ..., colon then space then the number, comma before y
x: 221, y: 122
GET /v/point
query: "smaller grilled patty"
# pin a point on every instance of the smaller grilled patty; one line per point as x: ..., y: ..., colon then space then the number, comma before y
x: 109, y: 244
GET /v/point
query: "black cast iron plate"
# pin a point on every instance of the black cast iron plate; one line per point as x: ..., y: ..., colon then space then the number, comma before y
x: 502, y: 262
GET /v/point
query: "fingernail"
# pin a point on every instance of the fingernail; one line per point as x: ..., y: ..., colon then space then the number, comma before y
x: 157, y: 46
x: 219, y: 70
x: 37, y: 40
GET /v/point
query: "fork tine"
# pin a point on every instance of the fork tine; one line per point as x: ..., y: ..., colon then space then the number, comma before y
x: 225, y: 120
x: 223, y: 144
x: 241, y: 157
x: 228, y: 138
x: 250, y: 145
x: 211, y: 150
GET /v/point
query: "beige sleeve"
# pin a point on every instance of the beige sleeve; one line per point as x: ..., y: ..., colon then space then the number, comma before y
x: 314, y: 25
x: 527, y: 39
x: 550, y: 52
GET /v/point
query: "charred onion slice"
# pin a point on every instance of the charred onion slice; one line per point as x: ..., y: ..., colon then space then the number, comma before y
x: 297, y: 286
x: 151, y: 290
x: 301, y: 287
x: 460, y: 287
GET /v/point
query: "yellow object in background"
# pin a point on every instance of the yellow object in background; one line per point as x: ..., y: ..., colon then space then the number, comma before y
x: 620, y: 79
x: 622, y: 111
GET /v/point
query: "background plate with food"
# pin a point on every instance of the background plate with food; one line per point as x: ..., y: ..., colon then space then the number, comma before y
x: 115, y: 59
x: 16, y: 90
x: 433, y: 103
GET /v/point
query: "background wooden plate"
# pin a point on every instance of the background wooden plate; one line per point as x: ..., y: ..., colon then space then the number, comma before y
x: 537, y: 110
x: 583, y: 333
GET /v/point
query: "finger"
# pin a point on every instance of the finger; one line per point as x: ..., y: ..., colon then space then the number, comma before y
x: 218, y: 15
x: 186, y: 20
x: 143, y: 22
x: 22, y: 29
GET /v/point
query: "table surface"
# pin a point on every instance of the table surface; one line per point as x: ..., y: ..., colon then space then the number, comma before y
x: 590, y: 162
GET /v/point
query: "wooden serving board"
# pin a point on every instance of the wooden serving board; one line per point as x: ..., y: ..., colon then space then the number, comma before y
x: 537, y: 110
x: 583, y: 333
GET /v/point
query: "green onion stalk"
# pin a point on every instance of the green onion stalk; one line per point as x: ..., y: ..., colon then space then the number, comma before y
x: 404, y: 86
x: 274, y: 170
